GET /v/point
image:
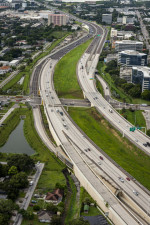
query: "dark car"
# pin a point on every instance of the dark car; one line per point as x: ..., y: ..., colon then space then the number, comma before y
x: 148, y: 144
x: 101, y: 158
x: 145, y: 144
x: 128, y: 178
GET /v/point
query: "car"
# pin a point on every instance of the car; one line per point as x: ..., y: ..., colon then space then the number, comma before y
x: 46, y: 95
x: 61, y: 113
x: 101, y: 158
x: 89, y: 149
x: 99, y: 163
x: 145, y: 144
x: 86, y: 150
x: 57, y: 110
x: 148, y: 143
x: 135, y: 192
x: 33, y: 201
x: 121, y: 179
x: 128, y: 178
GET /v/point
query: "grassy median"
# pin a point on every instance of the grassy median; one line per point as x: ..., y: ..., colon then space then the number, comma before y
x: 65, y: 79
x: 128, y: 156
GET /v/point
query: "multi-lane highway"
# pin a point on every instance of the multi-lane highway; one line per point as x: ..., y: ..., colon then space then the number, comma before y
x: 79, y: 149
x: 86, y: 157
x: 96, y: 99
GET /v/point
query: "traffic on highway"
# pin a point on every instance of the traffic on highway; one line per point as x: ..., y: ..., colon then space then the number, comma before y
x: 102, y: 173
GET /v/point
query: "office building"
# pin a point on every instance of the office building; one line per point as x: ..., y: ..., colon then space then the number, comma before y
x: 126, y: 74
x: 132, y: 58
x: 128, y: 45
x: 57, y: 19
x: 141, y: 75
x: 107, y: 18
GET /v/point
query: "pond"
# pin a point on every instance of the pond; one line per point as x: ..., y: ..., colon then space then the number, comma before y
x: 17, y: 143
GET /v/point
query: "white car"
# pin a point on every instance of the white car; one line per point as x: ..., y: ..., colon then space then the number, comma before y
x: 135, y: 192
x: 121, y: 179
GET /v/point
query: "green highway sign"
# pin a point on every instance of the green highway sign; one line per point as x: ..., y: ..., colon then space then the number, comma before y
x: 132, y: 129
x: 98, y: 35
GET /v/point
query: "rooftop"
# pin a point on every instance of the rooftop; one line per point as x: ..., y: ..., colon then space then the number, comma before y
x: 132, y: 52
x: 129, y: 42
x: 144, y: 69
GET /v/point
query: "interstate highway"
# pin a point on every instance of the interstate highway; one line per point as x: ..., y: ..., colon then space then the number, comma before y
x: 96, y: 99
x: 50, y: 101
x: 69, y: 134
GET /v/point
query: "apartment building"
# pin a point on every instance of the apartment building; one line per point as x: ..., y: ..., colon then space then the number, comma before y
x: 57, y: 19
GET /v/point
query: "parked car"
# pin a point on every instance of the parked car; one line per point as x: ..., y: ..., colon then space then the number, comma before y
x: 101, y: 158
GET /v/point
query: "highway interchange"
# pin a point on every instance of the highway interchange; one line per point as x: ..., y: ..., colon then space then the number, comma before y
x: 82, y: 151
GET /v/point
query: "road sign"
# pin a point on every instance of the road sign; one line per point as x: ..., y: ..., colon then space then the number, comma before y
x: 98, y: 35
x: 132, y: 129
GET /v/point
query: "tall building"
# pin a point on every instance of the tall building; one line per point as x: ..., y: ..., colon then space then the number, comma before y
x: 141, y: 75
x: 132, y: 58
x: 126, y: 74
x: 107, y: 18
x: 128, y: 45
x: 57, y: 19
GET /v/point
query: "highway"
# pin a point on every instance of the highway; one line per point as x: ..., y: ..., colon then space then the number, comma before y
x: 82, y: 152
x: 75, y: 146
x: 64, y: 127
x: 90, y: 92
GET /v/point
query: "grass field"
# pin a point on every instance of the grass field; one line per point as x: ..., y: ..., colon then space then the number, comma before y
x: 107, y: 138
x: 65, y: 79
x: 135, y: 117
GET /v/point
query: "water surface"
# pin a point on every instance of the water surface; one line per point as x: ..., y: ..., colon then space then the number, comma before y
x: 16, y: 142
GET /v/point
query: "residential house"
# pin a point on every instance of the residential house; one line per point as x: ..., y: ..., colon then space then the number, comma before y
x: 54, y: 197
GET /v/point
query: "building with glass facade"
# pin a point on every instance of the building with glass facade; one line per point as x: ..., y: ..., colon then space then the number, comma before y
x: 132, y: 58
x: 128, y: 45
x: 141, y: 75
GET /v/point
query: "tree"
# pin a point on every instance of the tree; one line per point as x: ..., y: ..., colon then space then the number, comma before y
x: 56, y: 220
x: 52, y: 208
x: 135, y: 92
x: 127, y: 86
x: 28, y: 215
x: 22, y: 162
x: 36, y: 207
x: 148, y: 132
x: 87, y: 201
x: 6, y: 207
x: 19, y: 180
x: 21, y: 68
x: 146, y: 95
x: 13, y: 170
